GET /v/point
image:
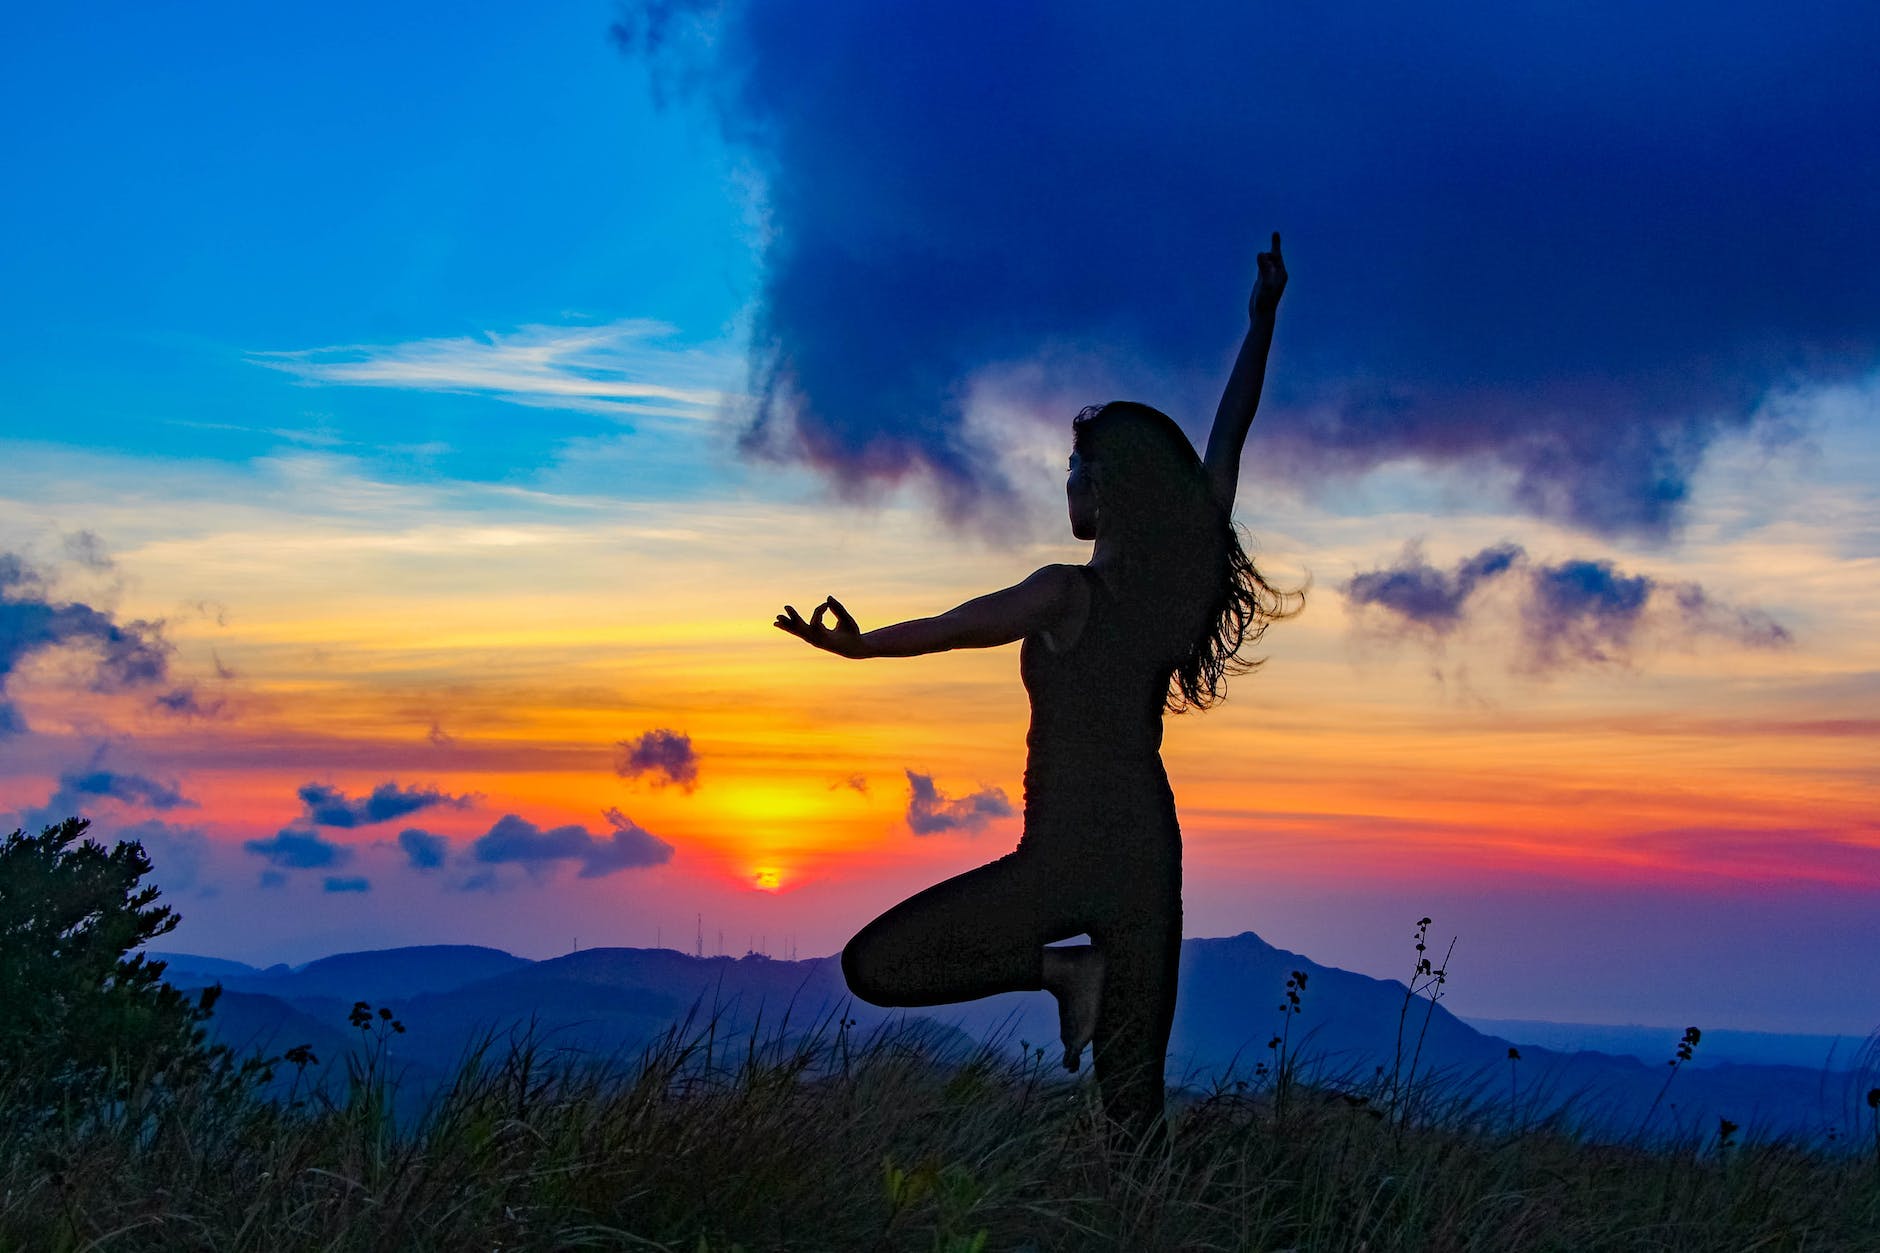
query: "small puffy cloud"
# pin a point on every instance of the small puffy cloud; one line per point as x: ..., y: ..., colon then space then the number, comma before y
x: 132, y: 789
x: 1577, y: 611
x: 354, y: 884
x: 327, y: 806
x: 1583, y: 611
x: 422, y: 849
x: 515, y: 840
x: 929, y: 811
x: 626, y: 846
x: 81, y: 790
x: 119, y: 655
x: 1417, y: 592
x: 662, y: 756
x: 295, y: 849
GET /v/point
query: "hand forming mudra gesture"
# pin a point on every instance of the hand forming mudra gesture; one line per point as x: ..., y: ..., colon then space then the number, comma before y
x: 844, y: 639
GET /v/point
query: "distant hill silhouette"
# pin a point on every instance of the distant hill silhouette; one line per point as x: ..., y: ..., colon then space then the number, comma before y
x: 380, y: 975
x: 1720, y: 1046
x: 610, y: 1002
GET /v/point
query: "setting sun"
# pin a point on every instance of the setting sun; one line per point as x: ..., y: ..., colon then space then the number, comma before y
x: 767, y: 879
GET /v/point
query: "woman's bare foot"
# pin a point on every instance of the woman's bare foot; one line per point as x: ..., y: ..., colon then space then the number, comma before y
x: 1074, y: 975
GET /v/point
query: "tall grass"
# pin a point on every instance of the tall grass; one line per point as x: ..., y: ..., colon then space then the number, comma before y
x: 819, y: 1139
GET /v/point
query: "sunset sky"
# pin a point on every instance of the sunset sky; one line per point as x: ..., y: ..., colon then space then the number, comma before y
x: 413, y: 416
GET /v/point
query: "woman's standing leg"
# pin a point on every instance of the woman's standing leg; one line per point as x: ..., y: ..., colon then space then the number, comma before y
x: 1141, y: 967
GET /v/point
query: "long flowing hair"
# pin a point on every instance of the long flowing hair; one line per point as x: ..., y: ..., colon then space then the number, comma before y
x: 1178, y: 548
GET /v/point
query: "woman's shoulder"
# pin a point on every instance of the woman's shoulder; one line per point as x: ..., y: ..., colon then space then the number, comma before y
x: 1071, y: 585
x: 1063, y: 578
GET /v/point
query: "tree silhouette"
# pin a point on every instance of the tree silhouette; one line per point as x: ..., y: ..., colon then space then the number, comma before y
x: 83, y: 1016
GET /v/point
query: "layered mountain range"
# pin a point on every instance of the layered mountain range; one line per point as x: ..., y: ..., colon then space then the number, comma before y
x: 1351, y: 1031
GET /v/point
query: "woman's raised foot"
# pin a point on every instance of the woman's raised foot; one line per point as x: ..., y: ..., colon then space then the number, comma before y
x: 1074, y: 975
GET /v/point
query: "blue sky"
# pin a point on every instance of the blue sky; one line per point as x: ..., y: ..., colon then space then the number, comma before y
x: 205, y: 184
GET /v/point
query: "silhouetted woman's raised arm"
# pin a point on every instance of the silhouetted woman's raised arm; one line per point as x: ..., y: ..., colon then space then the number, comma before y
x: 1242, y: 396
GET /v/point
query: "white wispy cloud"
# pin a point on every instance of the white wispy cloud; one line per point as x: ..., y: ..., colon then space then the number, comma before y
x: 627, y: 369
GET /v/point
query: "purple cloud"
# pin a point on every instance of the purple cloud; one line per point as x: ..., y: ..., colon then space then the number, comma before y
x: 327, y: 806
x: 294, y: 849
x: 1573, y: 611
x: 930, y: 811
x: 77, y: 788
x: 515, y: 840
x: 422, y: 849
x: 1418, y: 592
x: 1583, y: 611
x: 663, y: 756
x: 121, y: 655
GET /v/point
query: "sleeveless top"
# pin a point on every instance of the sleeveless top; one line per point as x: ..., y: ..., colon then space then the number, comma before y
x: 1094, y: 782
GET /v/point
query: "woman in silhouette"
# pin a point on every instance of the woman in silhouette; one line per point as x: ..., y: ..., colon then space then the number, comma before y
x: 1155, y: 620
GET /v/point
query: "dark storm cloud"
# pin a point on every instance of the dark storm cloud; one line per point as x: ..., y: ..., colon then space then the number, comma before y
x: 295, y: 849
x: 422, y: 849
x: 930, y: 811
x: 663, y: 756
x: 329, y: 807
x: 119, y: 655
x: 516, y: 840
x: 1573, y: 611
x: 1576, y: 241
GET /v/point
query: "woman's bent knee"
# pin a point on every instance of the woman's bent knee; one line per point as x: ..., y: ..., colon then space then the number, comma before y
x: 861, y: 969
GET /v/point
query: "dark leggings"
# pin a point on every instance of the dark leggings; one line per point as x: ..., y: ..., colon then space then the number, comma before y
x: 983, y: 932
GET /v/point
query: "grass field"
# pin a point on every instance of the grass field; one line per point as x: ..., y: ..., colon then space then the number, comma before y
x: 832, y: 1141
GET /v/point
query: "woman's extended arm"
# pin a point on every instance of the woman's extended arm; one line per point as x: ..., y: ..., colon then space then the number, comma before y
x: 1242, y: 396
x: 1039, y: 603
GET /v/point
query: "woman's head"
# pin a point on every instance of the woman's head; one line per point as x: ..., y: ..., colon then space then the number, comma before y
x: 1136, y: 482
x: 1134, y: 475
